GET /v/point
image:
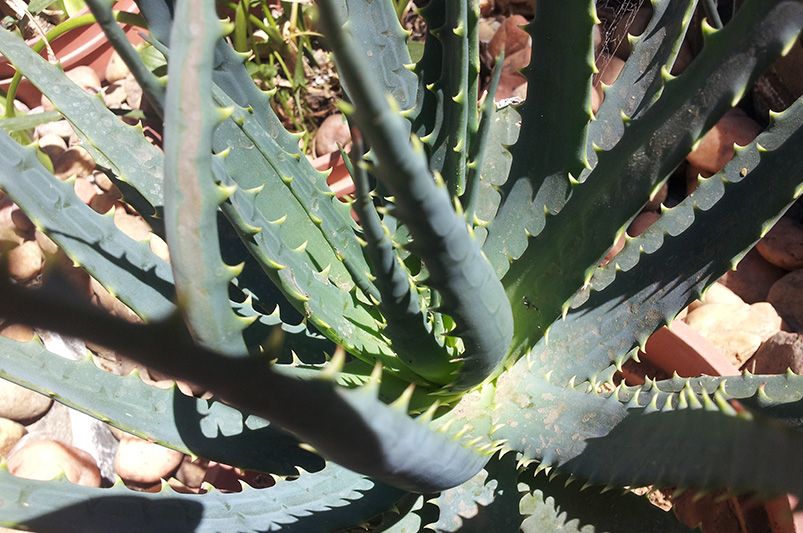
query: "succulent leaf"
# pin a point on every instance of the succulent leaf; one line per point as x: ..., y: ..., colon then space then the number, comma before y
x: 479, y: 146
x: 191, y: 195
x: 461, y: 387
x: 407, y: 327
x: 383, y: 42
x: 428, y: 114
x: 356, y: 429
x: 640, y: 82
x: 165, y: 416
x: 559, y: 260
x: 703, y: 232
x: 552, y: 505
x: 327, y: 219
x: 494, y: 171
x: 331, y: 498
x: 487, y: 502
x: 765, y: 392
x: 597, y: 438
x: 126, y: 268
x: 455, y: 85
x: 131, y: 158
x: 152, y: 88
x: 558, y: 107
x: 471, y: 293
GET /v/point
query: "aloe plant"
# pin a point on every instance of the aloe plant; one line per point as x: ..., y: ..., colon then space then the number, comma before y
x: 481, y: 336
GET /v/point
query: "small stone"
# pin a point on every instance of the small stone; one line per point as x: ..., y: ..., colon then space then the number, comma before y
x: 192, y: 473
x: 119, y: 434
x: 716, y: 147
x: 21, y: 220
x: 224, y: 477
x: 786, y: 295
x: 110, y: 361
x: 47, y: 459
x: 141, y: 461
x: 46, y: 104
x: 736, y: 329
x: 333, y: 131
x: 720, y: 294
x: 597, y: 38
x: 74, y: 162
x: 486, y: 6
x: 55, y: 425
x: 781, y: 351
x: 133, y: 92
x: 164, y: 381
x: 116, y: 69
x: 617, y: 247
x: 181, y: 488
x: 658, y: 199
x: 21, y: 404
x: 60, y: 128
x: 9, y: 233
x: 642, y: 222
x: 85, y: 77
x: 511, y: 85
x: 25, y: 261
x: 511, y: 38
x: 93, y: 436
x: 486, y: 29
x: 159, y: 247
x: 17, y: 332
x: 85, y: 190
x: 753, y: 278
x: 132, y: 225
x: 52, y: 145
x: 114, y: 95
x: 103, y: 298
x: 22, y: 108
x: 597, y: 97
x: 783, y: 245
x: 258, y: 480
x: 10, y: 433
x: 45, y: 243
x: 102, y: 181
x: 609, y: 69
x: 102, y: 203
x: 62, y: 274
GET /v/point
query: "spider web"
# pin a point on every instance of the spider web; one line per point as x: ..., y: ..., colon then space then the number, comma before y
x: 616, y: 16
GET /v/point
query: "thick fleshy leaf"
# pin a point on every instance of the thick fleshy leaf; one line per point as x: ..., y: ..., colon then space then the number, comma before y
x: 332, y: 498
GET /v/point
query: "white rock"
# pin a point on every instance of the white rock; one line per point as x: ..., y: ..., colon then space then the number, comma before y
x: 116, y: 69
x: 21, y: 404
x: 60, y: 128
x: 139, y: 461
x: 47, y: 459
x: 10, y: 433
x: 736, y: 329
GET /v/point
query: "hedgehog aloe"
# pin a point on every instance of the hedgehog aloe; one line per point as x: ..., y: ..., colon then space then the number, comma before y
x: 478, y: 338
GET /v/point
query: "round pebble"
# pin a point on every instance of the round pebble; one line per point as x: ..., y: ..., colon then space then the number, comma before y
x: 47, y: 459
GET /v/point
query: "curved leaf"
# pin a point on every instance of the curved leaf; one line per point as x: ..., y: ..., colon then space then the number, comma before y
x: 330, y: 499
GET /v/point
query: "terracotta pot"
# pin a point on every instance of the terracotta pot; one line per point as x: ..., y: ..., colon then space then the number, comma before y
x: 82, y: 46
x: 678, y: 348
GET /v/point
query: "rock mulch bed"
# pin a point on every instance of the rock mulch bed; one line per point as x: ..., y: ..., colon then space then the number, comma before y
x: 753, y: 314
